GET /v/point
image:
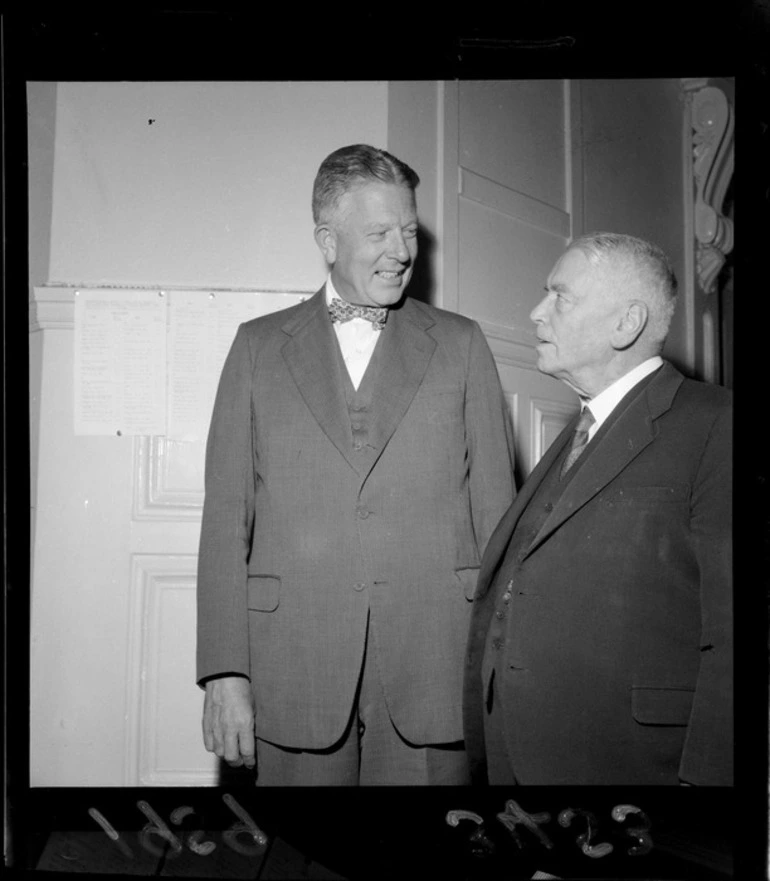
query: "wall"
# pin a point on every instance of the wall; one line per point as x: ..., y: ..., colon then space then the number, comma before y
x: 40, y: 158
x: 197, y: 185
x: 632, y: 170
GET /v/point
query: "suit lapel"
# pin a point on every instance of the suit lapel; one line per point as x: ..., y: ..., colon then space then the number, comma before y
x: 312, y: 360
x: 501, y: 537
x: 628, y: 430
x: 406, y: 350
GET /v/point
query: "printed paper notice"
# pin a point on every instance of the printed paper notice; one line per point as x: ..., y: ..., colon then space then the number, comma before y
x: 120, y: 362
x: 202, y: 328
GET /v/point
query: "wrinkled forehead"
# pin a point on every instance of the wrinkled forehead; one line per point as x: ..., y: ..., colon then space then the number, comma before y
x: 607, y: 265
x: 572, y: 263
x: 375, y: 197
x: 589, y: 276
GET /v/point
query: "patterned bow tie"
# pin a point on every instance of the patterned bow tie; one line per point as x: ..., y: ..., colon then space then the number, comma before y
x: 341, y: 310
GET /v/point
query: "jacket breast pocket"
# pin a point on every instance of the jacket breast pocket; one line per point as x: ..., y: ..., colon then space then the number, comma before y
x: 649, y: 495
x: 661, y: 706
x: 264, y: 593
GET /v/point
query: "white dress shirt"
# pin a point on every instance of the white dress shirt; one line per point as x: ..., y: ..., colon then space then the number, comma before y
x: 357, y: 339
x: 605, y: 402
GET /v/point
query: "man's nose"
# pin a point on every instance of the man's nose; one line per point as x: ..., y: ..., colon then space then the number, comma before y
x: 398, y: 248
x: 538, y: 313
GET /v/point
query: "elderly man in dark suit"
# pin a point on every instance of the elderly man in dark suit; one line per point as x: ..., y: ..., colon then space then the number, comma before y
x: 600, y: 648
x: 359, y: 458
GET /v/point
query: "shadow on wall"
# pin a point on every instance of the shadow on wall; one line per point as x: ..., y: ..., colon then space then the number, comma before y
x: 422, y: 284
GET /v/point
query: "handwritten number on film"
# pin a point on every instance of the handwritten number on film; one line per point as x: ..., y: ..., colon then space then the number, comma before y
x: 514, y: 817
x: 157, y: 827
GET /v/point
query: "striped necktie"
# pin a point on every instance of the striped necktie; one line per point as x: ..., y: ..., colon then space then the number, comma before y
x: 579, y: 440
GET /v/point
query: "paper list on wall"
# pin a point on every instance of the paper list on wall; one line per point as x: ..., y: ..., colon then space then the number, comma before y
x: 120, y: 362
x: 202, y: 327
x: 191, y: 317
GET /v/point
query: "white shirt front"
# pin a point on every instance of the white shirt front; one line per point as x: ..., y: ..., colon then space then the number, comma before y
x: 605, y: 402
x: 357, y: 339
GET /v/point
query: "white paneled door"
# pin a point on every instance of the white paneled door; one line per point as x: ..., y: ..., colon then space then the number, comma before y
x: 512, y: 200
x: 113, y: 617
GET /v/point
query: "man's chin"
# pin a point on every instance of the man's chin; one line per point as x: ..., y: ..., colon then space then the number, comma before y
x: 388, y: 296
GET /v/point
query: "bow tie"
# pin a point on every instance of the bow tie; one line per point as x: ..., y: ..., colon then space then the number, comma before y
x: 341, y: 310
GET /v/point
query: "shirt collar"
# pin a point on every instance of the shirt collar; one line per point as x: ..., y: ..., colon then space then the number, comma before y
x: 331, y: 293
x: 606, y: 401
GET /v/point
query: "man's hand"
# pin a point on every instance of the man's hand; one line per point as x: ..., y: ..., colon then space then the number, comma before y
x: 228, y: 720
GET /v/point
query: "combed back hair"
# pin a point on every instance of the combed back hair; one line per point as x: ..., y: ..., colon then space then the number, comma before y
x: 350, y: 167
x: 650, y: 275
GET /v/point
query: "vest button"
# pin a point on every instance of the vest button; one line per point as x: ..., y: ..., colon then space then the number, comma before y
x: 548, y: 507
x: 362, y: 513
x: 357, y: 445
x: 359, y: 585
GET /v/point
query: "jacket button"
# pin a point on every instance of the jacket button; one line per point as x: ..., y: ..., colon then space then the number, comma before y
x: 497, y: 642
x: 362, y: 513
x: 498, y: 614
x: 358, y: 445
x: 359, y: 585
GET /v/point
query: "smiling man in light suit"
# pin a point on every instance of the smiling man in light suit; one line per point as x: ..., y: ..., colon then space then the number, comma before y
x: 357, y: 462
x: 600, y: 648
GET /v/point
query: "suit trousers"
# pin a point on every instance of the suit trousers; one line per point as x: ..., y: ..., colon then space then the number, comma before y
x: 371, y: 752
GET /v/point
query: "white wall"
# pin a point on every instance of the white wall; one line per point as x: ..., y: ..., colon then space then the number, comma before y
x: 215, y: 192
x: 198, y: 184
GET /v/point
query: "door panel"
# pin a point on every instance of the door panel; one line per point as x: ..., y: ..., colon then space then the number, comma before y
x: 512, y: 132
x: 112, y: 659
x: 513, y: 195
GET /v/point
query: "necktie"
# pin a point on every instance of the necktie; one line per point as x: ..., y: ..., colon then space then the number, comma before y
x: 341, y: 310
x: 579, y: 439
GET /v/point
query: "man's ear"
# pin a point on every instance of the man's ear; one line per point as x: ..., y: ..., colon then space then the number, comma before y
x: 327, y: 242
x: 630, y: 325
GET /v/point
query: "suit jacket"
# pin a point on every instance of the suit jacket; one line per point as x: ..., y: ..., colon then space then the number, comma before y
x: 302, y: 540
x: 617, y: 664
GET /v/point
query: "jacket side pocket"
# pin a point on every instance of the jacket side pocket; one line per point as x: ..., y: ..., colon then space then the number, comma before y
x: 661, y: 706
x: 264, y: 592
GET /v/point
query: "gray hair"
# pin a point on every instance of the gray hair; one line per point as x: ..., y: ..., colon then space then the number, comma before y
x: 349, y: 167
x: 650, y: 269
